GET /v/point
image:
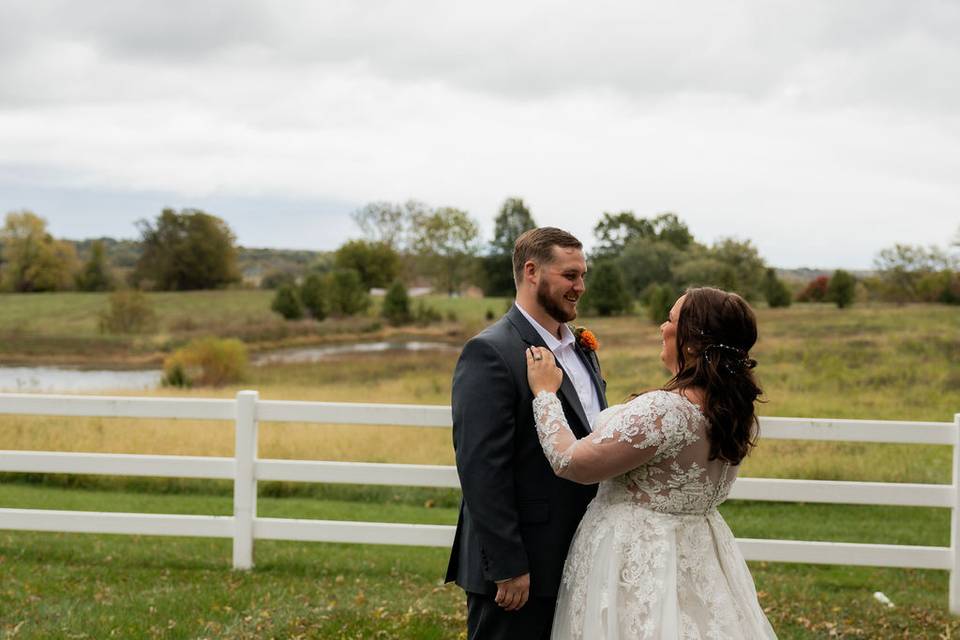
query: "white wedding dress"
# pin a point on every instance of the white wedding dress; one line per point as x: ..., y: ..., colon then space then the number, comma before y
x: 652, y: 557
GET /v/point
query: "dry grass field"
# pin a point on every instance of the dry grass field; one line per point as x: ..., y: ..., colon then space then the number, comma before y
x: 884, y: 362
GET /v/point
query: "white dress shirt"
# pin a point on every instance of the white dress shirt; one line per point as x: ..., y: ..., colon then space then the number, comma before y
x: 573, y: 366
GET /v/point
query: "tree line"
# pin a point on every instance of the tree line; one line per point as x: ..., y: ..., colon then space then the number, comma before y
x: 635, y: 260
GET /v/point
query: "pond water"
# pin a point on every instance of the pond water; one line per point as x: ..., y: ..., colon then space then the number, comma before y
x: 315, y: 354
x: 63, y: 380
x: 53, y: 379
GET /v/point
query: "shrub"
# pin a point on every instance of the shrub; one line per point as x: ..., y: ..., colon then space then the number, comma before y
x: 841, y: 289
x: 815, y: 291
x: 775, y: 291
x: 347, y: 294
x: 425, y: 314
x: 489, y: 315
x: 286, y: 302
x: 129, y: 311
x: 206, y: 362
x: 313, y: 295
x: 396, y: 305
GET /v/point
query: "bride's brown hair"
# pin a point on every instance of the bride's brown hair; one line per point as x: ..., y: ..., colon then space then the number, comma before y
x: 715, y: 332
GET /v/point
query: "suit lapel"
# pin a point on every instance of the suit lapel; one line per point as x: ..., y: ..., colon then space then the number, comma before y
x: 589, y: 359
x: 567, y: 391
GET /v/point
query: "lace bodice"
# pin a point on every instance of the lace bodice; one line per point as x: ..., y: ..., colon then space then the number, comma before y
x: 652, y: 451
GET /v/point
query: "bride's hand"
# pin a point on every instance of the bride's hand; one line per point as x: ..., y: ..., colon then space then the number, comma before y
x: 542, y: 371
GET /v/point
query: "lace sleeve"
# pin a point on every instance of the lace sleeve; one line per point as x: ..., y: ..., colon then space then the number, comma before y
x: 626, y: 437
x: 557, y: 440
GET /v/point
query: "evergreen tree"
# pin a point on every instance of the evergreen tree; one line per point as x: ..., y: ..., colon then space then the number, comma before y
x: 514, y: 218
x: 313, y: 295
x: 346, y: 293
x: 775, y: 291
x: 396, y: 305
x: 606, y: 291
x: 95, y: 274
x: 841, y: 288
x: 286, y: 302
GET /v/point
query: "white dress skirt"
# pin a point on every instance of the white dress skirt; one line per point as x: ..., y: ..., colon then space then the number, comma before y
x: 652, y: 558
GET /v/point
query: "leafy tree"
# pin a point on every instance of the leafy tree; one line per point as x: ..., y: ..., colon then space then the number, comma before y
x: 345, y: 292
x: 376, y: 262
x: 705, y: 270
x: 446, y: 240
x: 313, y: 295
x: 286, y: 302
x: 775, y: 291
x: 396, y: 305
x: 660, y: 300
x: 606, y: 291
x: 746, y: 264
x: 815, y: 291
x: 841, y: 288
x: 95, y: 274
x: 514, y: 218
x: 32, y: 259
x: 669, y: 228
x: 388, y: 222
x: 614, y: 231
x: 186, y: 250
x: 645, y: 261
x: 902, y: 266
x: 939, y: 286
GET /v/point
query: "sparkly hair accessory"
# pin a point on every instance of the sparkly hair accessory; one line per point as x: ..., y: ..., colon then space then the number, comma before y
x: 743, y: 361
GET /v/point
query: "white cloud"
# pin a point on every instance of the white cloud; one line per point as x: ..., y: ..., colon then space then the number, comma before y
x: 822, y: 130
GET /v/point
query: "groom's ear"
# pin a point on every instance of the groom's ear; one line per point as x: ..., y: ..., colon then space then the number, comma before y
x: 530, y: 271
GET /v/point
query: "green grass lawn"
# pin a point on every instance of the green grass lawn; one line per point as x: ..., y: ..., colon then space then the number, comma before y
x: 68, y: 585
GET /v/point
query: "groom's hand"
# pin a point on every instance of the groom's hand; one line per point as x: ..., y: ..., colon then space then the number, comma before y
x: 513, y: 593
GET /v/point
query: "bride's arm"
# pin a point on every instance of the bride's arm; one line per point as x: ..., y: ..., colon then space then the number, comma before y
x: 623, y: 441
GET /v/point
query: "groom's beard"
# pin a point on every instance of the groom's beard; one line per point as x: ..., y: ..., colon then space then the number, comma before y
x: 550, y: 305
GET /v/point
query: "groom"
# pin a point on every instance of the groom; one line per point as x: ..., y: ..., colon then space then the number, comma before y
x: 516, y: 517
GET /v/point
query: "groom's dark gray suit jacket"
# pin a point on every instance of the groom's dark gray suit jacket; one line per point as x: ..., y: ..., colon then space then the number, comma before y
x: 516, y: 516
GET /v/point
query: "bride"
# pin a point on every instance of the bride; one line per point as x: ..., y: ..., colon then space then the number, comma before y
x: 652, y: 557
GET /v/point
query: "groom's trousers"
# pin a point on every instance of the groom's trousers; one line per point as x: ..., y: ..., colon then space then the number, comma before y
x: 487, y: 621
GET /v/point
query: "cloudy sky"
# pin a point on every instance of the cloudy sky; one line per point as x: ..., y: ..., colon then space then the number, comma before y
x: 822, y: 130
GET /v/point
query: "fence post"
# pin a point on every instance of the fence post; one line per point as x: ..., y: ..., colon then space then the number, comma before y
x: 955, y: 522
x: 244, y: 480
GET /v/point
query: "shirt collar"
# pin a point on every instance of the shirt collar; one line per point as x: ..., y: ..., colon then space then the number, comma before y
x: 551, y: 340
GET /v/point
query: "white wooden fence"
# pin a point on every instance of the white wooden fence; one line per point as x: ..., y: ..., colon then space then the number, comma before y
x: 246, y: 469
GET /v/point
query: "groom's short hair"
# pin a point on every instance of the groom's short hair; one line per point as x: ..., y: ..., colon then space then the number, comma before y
x: 537, y: 245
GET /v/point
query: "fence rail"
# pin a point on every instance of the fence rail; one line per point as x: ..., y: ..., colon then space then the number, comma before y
x: 245, y: 469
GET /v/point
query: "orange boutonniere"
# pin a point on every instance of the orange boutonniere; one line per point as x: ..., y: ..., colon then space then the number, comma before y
x: 586, y: 339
